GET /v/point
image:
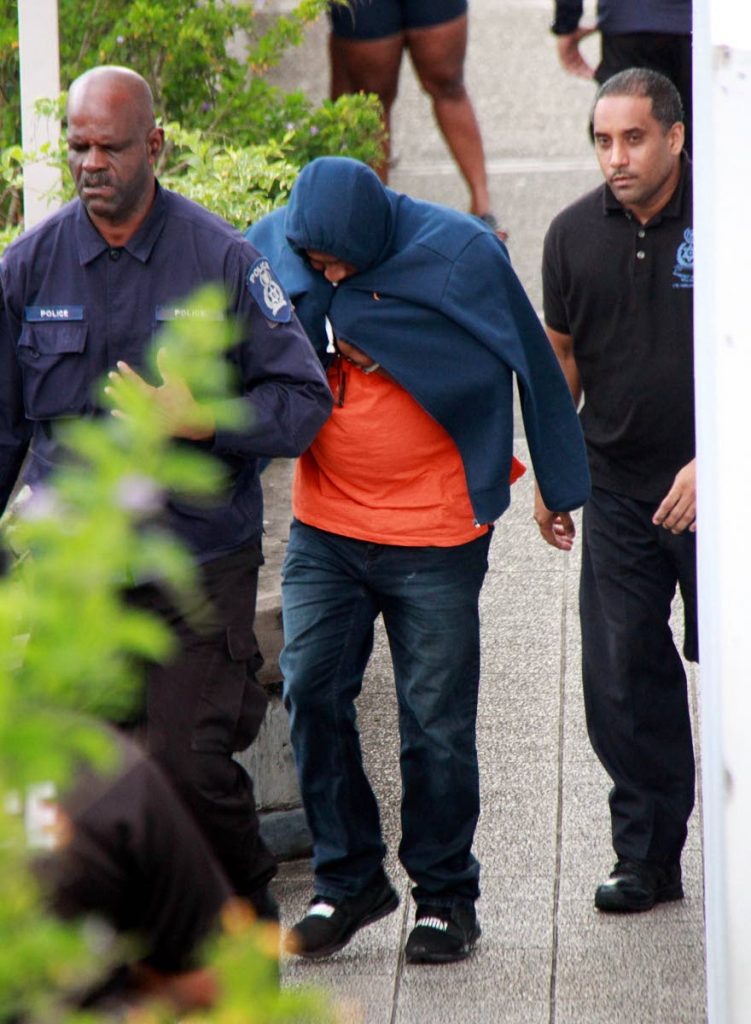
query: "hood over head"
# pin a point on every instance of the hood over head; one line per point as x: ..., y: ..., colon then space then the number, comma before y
x: 340, y: 207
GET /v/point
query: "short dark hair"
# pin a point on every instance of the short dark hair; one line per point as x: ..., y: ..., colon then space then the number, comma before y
x: 667, y: 108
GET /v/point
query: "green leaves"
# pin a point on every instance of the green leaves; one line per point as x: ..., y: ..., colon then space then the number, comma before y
x: 242, y: 138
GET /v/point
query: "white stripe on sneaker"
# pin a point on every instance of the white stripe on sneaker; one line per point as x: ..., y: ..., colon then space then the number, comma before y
x: 433, y: 922
x: 321, y: 910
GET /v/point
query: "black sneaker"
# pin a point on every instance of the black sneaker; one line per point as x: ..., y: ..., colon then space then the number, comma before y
x: 635, y: 886
x: 329, y: 924
x: 442, y: 935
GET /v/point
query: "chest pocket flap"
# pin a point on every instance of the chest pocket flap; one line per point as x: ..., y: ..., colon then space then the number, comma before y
x: 56, y: 374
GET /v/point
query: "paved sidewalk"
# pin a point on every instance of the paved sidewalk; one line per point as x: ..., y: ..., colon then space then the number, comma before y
x: 546, y: 956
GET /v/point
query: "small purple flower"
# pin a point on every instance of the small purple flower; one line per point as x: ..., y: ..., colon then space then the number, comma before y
x: 206, y: 106
x: 290, y: 126
x: 120, y: 40
x: 314, y: 129
x: 139, y: 495
x: 37, y: 504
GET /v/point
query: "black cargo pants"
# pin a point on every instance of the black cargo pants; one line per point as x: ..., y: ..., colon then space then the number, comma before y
x: 205, y: 703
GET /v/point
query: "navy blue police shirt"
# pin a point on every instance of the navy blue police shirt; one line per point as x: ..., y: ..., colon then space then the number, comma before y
x: 72, y: 306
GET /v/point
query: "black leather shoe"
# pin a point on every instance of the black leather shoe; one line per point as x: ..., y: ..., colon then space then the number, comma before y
x: 635, y: 885
x: 442, y: 935
x: 329, y: 924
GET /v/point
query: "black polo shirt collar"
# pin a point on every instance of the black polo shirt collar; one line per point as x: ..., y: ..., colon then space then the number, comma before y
x: 673, y: 207
x: 91, y: 244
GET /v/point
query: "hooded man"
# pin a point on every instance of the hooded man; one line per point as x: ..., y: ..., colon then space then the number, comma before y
x: 394, y: 504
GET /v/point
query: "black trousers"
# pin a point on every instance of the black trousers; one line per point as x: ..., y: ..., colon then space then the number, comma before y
x: 668, y: 54
x: 635, y: 690
x: 205, y: 703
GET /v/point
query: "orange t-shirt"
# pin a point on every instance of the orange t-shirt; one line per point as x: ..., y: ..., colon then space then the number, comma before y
x: 382, y: 470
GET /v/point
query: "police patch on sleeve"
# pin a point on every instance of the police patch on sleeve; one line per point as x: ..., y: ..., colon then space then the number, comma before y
x: 264, y: 286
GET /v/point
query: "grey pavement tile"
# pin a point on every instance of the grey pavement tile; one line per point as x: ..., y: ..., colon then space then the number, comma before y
x: 580, y: 767
x: 575, y: 738
x: 523, y: 677
x: 518, y: 548
x: 668, y: 927
x: 528, y: 789
x: 520, y: 721
x: 356, y: 1000
x: 532, y: 600
x: 584, y: 863
x: 521, y: 803
x: 599, y: 1008
x: 514, y: 853
x: 516, y: 973
x: 647, y: 981
x: 522, y: 922
x: 468, y: 1004
x: 499, y: 885
x: 584, y: 801
x: 515, y: 811
x: 517, y: 655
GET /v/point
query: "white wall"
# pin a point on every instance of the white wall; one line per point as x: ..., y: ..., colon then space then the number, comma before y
x: 40, y: 78
x: 722, y: 104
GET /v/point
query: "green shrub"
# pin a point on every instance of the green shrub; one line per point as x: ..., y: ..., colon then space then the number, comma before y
x: 207, y: 64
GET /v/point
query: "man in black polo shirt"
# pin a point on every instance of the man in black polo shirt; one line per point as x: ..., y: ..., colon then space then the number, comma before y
x: 618, y: 290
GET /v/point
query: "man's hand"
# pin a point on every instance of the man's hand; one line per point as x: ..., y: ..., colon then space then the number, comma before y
x: 180, y: 414
x: 677, y: 510
x: 557, y: 528
x: 569, y: 53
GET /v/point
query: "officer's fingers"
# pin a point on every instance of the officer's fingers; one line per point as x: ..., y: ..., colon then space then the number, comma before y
x: 162, y: 364
x: 127, y: 374
x: 114, y: 390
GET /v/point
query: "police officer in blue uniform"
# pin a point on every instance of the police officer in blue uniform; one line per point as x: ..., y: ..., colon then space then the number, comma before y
x: 84, y: 293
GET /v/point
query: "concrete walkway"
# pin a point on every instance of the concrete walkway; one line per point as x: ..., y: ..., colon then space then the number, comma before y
x: 546, y: 956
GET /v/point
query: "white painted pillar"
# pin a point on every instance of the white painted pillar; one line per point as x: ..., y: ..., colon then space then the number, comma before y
x: 40, y: 79
x: 722, y: 147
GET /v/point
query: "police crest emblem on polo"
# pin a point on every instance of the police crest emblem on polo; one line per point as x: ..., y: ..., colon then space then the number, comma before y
x: 266, y: 289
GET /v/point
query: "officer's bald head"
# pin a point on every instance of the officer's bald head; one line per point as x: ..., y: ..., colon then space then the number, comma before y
x: 116, y: 90
x: 113, y: 147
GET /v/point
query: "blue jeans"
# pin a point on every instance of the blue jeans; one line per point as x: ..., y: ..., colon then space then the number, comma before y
x: 333, y: 588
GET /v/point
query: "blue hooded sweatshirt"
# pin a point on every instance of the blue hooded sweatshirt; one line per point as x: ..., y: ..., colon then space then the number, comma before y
x: 436, y: 303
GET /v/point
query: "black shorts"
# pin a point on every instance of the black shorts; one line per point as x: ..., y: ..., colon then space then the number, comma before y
x: 376, y: 19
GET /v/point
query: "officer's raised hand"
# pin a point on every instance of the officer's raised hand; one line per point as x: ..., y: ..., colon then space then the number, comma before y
x: 180, y: 414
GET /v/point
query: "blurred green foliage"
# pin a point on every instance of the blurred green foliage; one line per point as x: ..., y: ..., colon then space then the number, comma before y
x: 69, y: 651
